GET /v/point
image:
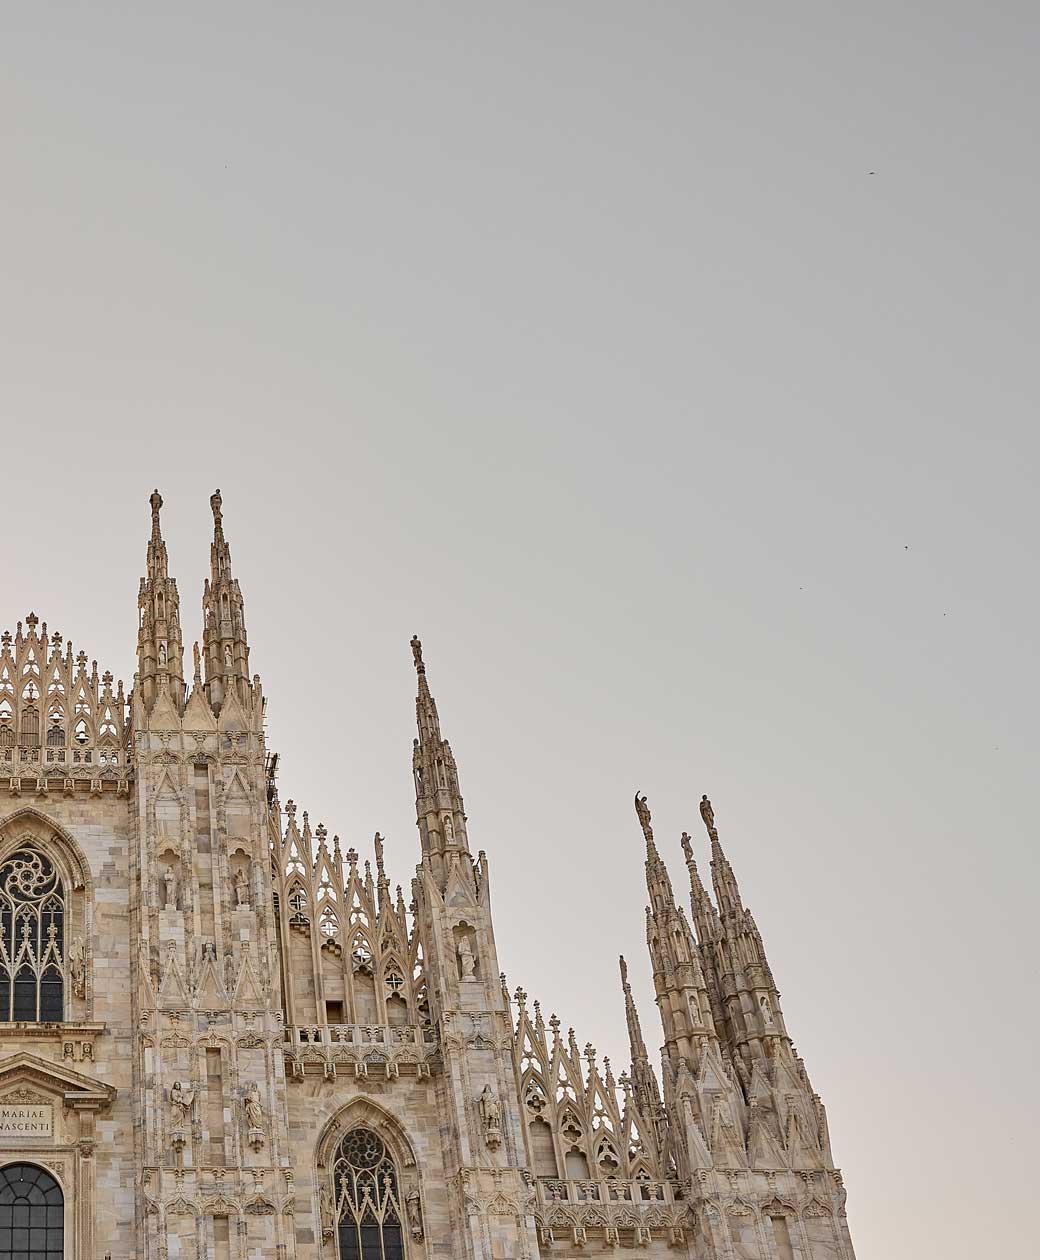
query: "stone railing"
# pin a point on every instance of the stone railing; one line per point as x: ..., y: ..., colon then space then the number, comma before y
x: 615, y: 1211
x: 605, y: 1190
x: 362, y: 1049
x: 42, y: 771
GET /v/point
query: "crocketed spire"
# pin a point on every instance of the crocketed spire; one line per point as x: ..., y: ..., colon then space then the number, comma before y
x: 439, y: 809
x: 160, y: 651
x: 224, y: 642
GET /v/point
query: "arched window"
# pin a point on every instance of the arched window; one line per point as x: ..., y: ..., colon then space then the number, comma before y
x: 32, y: 1214
x: 32, y: 940
x: 368, y: 1206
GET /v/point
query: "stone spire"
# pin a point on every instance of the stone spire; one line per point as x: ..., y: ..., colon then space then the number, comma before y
x: 709, y: 931
x: 224, y: 643
x: 644, y: 1081
x: 159, y: 646
x: 438, y: 802
x: 754, y: 1022
x: 727, y: 894
x: 679, y: 981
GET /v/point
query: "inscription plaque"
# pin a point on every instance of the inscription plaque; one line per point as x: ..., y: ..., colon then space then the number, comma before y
x: 22, y: 1120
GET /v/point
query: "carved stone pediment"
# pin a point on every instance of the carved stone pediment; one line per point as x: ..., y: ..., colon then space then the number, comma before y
x: 25, y: 1073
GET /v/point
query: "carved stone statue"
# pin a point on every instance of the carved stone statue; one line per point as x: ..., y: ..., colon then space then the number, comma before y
x: 241, y: 888
x: 181, y: 1100
x: 254, y: 1110
x: 253, y: 1107
x: 467, y: 959
x: 708, y: 814
x: 413, y: 1209
x: 170, y: 888
x: 327, y: 1211
x: 228, y: 659
x: 491, y: 1117
x: 77, y: 970
x: 162, y: 654
x: 643, y: 814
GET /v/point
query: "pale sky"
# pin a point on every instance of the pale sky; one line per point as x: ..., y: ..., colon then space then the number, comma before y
x: 670, y: 369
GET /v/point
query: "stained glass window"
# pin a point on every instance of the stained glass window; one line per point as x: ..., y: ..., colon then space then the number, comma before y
x: 367, y: 1202
x: 32, y: 1214
x: 32, y: 940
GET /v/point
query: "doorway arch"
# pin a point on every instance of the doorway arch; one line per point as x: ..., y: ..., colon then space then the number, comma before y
x: 32, y: 1214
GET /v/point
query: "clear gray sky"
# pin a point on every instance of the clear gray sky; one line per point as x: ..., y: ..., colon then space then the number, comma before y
x: 670, y: 369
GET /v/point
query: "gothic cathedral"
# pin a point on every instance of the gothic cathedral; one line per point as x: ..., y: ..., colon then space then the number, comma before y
x: 222, y: 1036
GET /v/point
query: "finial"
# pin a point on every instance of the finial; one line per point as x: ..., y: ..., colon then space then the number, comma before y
x: 708, y: 815
x: 155, y: 499
x: 643, y: 814
x: 215, y: 502
x: 420, y: 668
x: 687, y: 846
x: 624, y: 971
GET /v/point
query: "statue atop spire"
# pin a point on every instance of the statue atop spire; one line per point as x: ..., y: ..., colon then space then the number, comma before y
x: 420, y: 668
x: 156, y: 502
x: 643, y: 814
x: 708, y: 815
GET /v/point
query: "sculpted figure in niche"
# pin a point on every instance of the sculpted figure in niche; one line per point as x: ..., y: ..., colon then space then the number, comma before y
x: 77, y: 970
x: 253, y: 1107
x: 241, y: 888
x: 162, y: 654
x: 467, y: 959
x: 327, y: 1212
x: 228, y: 660
x: 413, y: 1208
x: 180, y: 1104
x: 491, y: 1117
x: 170, y: 888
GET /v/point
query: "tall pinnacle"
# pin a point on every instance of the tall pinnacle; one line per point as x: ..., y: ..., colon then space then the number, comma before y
x: 727, y: 894
x: 156, y: 546
x: 658, y: 881
x: 159, y: 646
x: 438, y: 800
x: 224, y: 642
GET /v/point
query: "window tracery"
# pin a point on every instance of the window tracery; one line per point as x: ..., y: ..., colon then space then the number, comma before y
x: 367, y: 1198
x: 32, y: 939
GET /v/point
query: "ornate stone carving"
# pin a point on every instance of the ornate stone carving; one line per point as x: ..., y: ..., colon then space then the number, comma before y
x: 491, y: 1117
x: 413, y: 1210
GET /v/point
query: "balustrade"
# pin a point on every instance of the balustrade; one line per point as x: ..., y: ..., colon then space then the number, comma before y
x: 605, y: 1190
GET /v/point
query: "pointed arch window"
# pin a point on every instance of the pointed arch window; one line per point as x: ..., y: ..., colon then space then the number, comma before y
x: 368, y: 1205
x: 32, y: 939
